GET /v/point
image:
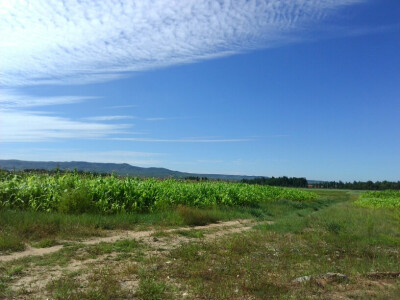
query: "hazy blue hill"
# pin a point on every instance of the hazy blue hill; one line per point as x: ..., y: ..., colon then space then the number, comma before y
x: 121, y: 169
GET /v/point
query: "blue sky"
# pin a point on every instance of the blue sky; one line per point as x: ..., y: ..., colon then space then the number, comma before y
x: 296, y: 88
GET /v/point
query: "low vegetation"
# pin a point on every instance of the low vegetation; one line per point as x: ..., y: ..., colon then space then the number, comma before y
x: 330, y: 244
x: 264, y: 264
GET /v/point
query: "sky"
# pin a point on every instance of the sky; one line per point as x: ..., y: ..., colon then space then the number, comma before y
x: 304, y: 88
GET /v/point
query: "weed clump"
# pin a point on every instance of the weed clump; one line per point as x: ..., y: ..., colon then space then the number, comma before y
x: 196, y: 217
x: 151, y: 289
x: 76, y: 201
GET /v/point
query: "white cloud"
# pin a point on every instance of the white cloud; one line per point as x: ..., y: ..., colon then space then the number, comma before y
x: 184, y: 140
x: 120, y: 106
x: 74, y: 42
x: 13, y: 99
x: 119, y: 117
x: 157, y: 119
x: 28, y: 126
x: 23, y: 126
x: 109, y: 118
x: 19, y: 124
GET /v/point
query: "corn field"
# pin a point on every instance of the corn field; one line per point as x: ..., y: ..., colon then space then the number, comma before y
x: 384, y: 199
x: 73, y: 192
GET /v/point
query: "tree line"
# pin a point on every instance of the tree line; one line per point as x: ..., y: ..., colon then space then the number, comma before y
x: 278, y: 181
x: 302, y: 182
x: 196, y: 178
x: 359, y: 185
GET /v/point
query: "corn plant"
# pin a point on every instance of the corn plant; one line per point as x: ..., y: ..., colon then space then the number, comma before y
x: 112, y: 194
x: 380, y: 199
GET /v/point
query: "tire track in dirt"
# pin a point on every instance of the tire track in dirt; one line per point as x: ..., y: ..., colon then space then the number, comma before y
x: 127, y: 234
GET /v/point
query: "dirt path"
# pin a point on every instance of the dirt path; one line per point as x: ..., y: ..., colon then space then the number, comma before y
x: 32, y: 283
x: 30, y: 251
x: 128, y: 234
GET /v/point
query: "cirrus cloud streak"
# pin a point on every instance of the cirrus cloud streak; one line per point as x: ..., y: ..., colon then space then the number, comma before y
x: 78, y: 42
x: 24, y: 126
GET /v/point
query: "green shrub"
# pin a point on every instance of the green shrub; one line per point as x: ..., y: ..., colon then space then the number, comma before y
x: 76, y: 201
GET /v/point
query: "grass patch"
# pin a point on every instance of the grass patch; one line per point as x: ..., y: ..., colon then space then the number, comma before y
x: 151, y: 286
x: 10, y: 243
x: 330, y: 235
x: 45, y: 243
x: 190, y: 233
x: 60, y: 258
x: 7, y: 274
x: 161, y: 234
x: 333, y: 227
x: 124, y: 246
x: 64, y: 288
x: 29, y: 226
x: 101, y: 284
x: 197, y: 217
x: 225, y: 269
x: 189, y: 252
x: 15, y: 270
x: 151, y: 289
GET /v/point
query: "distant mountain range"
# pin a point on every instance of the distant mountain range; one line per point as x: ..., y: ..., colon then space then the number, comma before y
x: 120, y: 169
